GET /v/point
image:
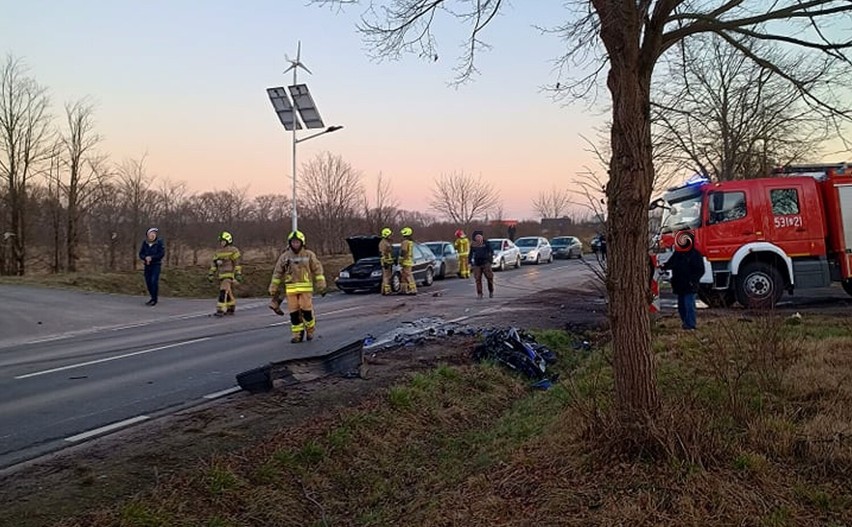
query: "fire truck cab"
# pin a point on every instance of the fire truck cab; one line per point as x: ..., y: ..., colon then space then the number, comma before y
x: 760, y: 237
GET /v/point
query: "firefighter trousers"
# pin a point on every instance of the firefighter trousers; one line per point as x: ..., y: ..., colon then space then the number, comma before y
x: 387, y: 276
x: 464, y: 266
x: 409, y: 286
x: 227, y: 302
x: 301, y: 308
x: 478, y: 272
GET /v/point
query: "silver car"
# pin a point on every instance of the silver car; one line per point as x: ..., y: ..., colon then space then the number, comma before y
x: 535, y: 249
x: 447, y: 258
x: 566, y: 247
x: 506, y: 254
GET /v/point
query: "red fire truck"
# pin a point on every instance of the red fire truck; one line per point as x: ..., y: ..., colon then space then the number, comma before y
x: 762, y: 236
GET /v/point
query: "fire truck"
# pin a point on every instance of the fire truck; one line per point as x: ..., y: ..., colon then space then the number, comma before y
x: 761, y: 237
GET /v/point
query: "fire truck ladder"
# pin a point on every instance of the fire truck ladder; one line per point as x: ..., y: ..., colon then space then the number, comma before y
x: 817, y: 170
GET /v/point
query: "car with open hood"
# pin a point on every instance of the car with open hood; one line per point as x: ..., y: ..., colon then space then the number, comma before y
x: 366, y: 273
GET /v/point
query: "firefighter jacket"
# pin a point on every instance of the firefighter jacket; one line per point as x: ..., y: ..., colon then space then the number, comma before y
x: 298, y: 271
x: 462, y: 247
x: 386, y: 250
x: 226, y: 262
x: 406, y: 253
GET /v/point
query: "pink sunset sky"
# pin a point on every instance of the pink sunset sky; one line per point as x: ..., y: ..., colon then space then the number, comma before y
x: 185, y: 83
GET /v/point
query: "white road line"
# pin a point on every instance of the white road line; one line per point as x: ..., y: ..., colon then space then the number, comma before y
x: 287, y: 322
x: 108, y: 428
x: 229, y: 391
x: 108, y: 359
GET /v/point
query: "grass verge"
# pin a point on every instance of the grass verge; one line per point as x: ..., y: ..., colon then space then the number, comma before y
x: 753, y: 430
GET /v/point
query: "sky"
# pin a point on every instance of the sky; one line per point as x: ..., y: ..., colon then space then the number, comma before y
x: 184, y: 82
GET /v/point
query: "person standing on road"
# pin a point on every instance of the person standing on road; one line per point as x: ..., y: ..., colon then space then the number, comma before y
x: 462, y: 245
x: 300, y: 270
x: 406, y: 260
x: 386, y: 252
x: 480, y: 259
x: 226, y: 267
x: 152, y: 253
x: 687, y: 267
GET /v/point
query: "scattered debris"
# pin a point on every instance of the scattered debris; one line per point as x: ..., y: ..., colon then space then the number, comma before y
x: 519, y: 351
x: 794, y: 319
x: 417, y: 332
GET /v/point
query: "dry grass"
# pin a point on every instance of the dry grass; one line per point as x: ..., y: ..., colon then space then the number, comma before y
x: 754, y: 430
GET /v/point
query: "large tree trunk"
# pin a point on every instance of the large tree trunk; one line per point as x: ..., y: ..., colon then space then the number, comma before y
x: 628, y: 194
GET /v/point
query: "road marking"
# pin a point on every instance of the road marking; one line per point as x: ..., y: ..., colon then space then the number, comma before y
x: 287, y: 322
x: 108, y: 359
x: 108, y: 428
x: 229, y: 391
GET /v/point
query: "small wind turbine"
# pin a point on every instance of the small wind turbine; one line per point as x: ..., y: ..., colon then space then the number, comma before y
x: 297, y: 63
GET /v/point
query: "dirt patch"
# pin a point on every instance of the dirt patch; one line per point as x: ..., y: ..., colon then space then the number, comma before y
x: 133, y: 461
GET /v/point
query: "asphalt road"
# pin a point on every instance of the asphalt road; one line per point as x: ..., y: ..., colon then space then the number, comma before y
x: 74, y: 366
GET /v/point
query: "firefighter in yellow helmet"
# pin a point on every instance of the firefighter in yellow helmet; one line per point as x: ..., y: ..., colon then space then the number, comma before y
x: 226, y: 267
x: 386, y: 252
x: 300, y: 270
x: 406, y: 260
x: 462, y: 245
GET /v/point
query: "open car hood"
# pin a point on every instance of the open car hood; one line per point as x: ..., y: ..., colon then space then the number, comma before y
x: 363, y: 246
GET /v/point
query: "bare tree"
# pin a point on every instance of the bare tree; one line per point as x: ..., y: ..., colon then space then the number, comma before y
x: 134, y: 184
x: 25, y: 141
x: 629, y: 37
x: 384, y: 210
x: 463, y: 198
x: 553, y: 203
x: 83, y: 172
x: 730, y: 118
x: 330, y: 193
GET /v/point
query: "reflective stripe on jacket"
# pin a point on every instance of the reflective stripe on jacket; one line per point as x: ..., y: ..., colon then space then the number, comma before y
x: 298, y: 271
x: 226, y: 261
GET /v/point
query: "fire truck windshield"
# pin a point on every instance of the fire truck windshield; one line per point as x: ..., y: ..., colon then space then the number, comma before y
x: 682, y: 212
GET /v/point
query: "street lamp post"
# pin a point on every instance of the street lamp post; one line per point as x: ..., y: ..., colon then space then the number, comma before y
x: 303, y: 103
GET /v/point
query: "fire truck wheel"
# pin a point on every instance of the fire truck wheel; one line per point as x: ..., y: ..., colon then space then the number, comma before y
x: 759, y: 286
x: 847, y: 286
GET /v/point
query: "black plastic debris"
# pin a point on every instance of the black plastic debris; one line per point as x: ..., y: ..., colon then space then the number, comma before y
x: 518, y: 351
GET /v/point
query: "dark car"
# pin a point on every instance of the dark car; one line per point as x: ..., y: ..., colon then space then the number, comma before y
x: 366, y: 273
x: 567, y: 247
x: 447, y: 258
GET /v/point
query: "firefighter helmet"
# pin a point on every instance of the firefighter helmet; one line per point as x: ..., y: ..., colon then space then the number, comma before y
x: 226, y: 237
x: 296, y: 235
x: 406, y: 231
x: 386, y: 232
x: 684, y: 240
x: 459, y: 233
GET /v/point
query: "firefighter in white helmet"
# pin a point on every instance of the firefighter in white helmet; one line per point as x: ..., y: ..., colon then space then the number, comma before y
x: 300, y: 270
x: 226, y: 267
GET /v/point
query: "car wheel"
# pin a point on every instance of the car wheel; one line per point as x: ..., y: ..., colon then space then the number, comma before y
x: 502, y: 264
x: 430, y: 277
x: 518, y: 263
x: 396, y: 283
x: 538, y: 259
x: 443, y: 272
x: 550, y: 258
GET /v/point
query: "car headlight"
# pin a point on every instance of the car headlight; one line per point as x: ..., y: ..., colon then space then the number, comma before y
x: 532, y: 253
x: 344, y: 274
x: 376, y: 274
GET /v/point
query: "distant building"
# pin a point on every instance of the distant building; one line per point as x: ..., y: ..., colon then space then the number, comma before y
x: 556, y: 226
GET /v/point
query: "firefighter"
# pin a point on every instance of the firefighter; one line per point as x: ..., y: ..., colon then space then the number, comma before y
x: 386, y: 252
x: 226, y: 267
x: 300, y: 270
x: 406, y: 260
x: 462, y: 245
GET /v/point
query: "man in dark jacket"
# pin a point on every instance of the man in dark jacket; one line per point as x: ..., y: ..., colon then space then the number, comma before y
x: 151, y: 253
x: 481, y: 257
x: 687, y: 267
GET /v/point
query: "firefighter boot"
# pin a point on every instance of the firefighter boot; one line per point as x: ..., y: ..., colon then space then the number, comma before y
x: 310, y: 324
x: 221, y: 305
x: 297, y: 327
